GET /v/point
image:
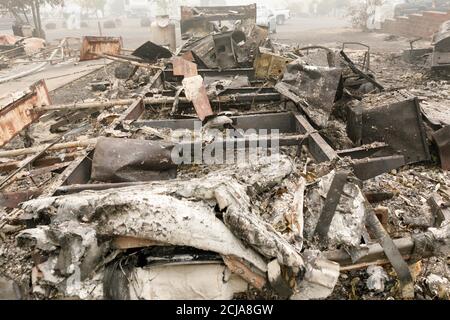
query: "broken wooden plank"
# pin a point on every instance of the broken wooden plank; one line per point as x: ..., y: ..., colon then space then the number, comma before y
x: 39, y: 163
x: 391, y: 251
x: 53, y: 147
x: 25, y: 163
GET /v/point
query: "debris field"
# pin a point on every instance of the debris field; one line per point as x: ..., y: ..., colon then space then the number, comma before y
x: 234, y: 167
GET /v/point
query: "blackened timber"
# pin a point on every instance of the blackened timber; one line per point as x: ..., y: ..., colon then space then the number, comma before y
x: 364, y: 151
x: 247, y: 98
x: 317, y: 146
x: 368, y: 168
x: 375, y: 252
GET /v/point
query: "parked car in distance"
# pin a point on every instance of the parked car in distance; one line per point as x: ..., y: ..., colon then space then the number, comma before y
x: 281, y: 15
x: 266, y: 17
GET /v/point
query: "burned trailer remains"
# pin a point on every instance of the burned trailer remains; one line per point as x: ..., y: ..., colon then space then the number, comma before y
x: 441, y: 48
x: 234, y: 168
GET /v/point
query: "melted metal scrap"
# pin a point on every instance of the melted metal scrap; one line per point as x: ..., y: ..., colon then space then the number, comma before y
x: 313, y: 88
x: 125, y: 160
x: 347, y: 224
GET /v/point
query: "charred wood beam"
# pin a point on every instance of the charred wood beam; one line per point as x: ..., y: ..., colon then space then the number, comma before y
x: 363, y: 151
x: 26, y: 162
x: 375, y: 252
x: 391, y: 251
x: 39, y: 163
x: 56, y: 146
x: 368, y: 168
x: 317, y: 146
x: 220, y: 100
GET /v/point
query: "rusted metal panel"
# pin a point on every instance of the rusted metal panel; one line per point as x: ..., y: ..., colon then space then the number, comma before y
x: 196, y: 92
x: 442, y: 139
x: 93, y: 47
x: 19, y: 114
x: 188, y: 55
x: 182, y: 67
x: 393, y: 121
x: 269, y: 65
x: 13, y: 199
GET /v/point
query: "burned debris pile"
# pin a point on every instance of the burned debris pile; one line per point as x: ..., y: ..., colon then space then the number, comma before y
x: 235, y: 167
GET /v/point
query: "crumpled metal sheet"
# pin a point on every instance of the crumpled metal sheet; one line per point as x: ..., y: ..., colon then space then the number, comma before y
x: 127, y: 160
x: 315, y: 87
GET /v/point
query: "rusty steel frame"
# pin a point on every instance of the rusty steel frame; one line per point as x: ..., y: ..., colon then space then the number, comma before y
x: 93, y: 47
x: 19, y: 114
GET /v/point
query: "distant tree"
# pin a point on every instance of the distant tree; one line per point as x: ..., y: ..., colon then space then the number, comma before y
x: 94, y: 4
x: 19, y: 8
